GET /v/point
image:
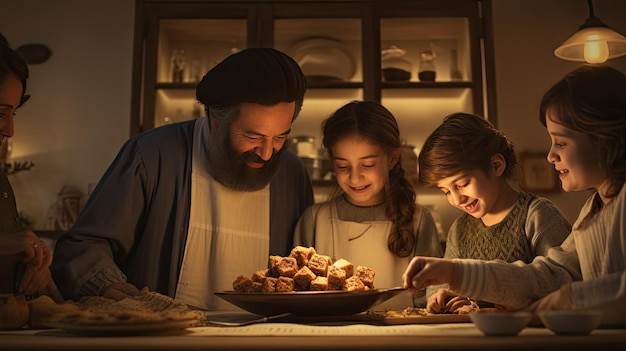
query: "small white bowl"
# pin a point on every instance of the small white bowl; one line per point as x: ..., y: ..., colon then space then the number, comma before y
x: 571, y: 322
x: 501, y: 323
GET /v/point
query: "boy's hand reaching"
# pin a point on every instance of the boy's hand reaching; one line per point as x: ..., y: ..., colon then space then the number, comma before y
x: 424, y: 271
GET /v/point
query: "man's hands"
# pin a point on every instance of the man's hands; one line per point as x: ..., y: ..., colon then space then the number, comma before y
x: 121, y: 290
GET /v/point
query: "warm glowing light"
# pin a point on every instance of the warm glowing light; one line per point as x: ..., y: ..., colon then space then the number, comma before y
x: 594, y: 42
x: 596, y: 50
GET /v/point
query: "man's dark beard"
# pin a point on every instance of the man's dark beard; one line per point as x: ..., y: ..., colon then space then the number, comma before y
x: 230, y: 168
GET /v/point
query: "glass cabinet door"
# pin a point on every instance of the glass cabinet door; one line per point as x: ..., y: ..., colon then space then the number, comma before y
x: 327, y: 42
x: 187, y: 49
x: 423, y: 45
x: 426, y: 72
x: 329, y: 52
x: 421, y: 59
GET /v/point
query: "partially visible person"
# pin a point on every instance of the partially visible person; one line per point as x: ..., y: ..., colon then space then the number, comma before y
x: 585, y: 115
x: 373, y: 220
x: 24, y: 259
x: 475, y: 165
x: 187, y: 207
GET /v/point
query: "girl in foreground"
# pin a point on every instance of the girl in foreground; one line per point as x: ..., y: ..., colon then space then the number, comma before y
x: 374, y: 221
x: 585, y: 116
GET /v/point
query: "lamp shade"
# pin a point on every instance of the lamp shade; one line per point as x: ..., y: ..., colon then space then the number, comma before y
x: 592, y: 45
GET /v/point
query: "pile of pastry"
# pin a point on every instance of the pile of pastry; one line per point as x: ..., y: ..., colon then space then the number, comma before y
x: 420, y: 311
x: 306, y: 270
x: 43, y: 311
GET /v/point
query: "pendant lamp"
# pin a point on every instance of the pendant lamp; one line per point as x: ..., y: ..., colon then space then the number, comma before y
x: 594, y: 42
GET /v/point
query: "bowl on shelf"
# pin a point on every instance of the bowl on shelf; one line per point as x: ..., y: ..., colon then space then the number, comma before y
x: 500, y: 323
x: 395, y: 75
x: 571, y: 322
x: 324, y: 60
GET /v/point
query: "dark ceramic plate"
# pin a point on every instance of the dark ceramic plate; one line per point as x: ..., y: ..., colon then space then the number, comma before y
x: 310, y: 303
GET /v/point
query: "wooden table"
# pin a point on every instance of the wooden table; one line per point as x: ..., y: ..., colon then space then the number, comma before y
x: 295, y: 336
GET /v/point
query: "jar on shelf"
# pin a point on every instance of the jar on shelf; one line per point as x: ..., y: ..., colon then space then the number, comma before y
x: 178, y: 63
x: 196, y: 111
x: 455, y: 73
x: 195, y: 73
x: 303, y: 145
x: 395, y: 67
x: 427, y: 71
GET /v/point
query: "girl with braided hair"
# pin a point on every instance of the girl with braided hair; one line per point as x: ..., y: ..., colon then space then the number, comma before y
x: 372, y: 219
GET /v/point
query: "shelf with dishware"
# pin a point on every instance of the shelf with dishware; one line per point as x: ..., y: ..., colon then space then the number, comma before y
x: 421, y: 59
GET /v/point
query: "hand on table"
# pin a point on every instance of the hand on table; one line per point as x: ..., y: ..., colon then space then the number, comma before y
x: 424, y: 271
x: 36, y: 282
x: 25, y: 246
x: 445, y: 302
x: 121, y: 290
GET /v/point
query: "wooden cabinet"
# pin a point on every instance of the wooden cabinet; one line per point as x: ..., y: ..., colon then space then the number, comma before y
x: 339, y: 45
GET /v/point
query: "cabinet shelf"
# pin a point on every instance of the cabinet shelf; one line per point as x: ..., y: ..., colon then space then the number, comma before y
x: 207, y: 31
x: 176, y: 86
x: 425, y: 85
x: 345, y: 85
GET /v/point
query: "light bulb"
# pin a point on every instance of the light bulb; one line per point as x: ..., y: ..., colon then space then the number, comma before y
x: 595, y: 50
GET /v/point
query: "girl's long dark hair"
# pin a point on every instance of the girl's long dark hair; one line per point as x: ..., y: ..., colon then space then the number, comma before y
x: 373, y: 122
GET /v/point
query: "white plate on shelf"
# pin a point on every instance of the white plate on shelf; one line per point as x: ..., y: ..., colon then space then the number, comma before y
x: 324, y: 59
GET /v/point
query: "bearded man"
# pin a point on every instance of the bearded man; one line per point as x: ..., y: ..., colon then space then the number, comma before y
x: 187, y: 207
